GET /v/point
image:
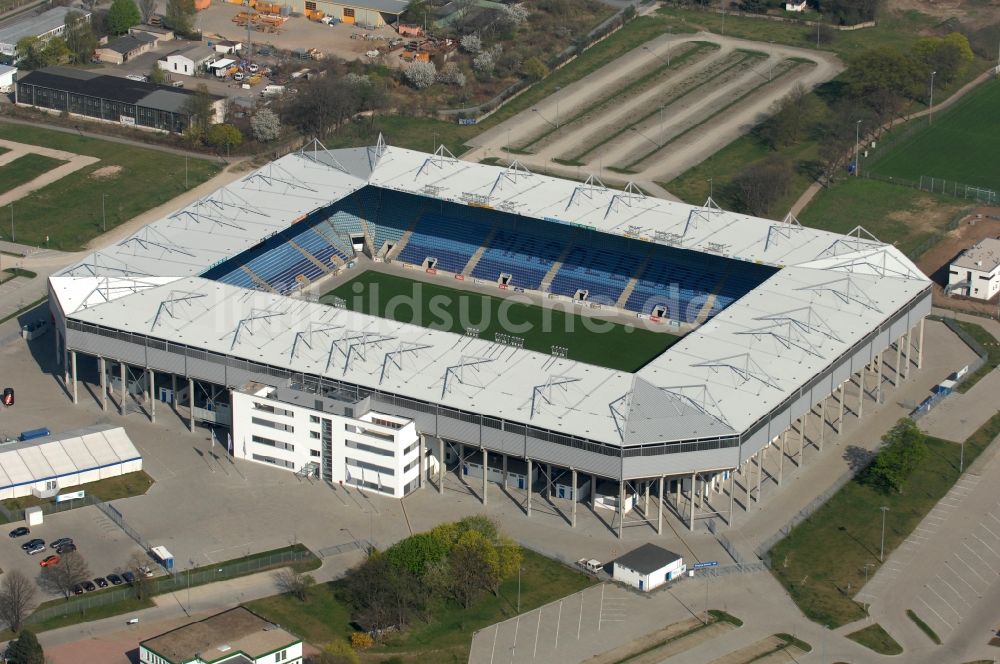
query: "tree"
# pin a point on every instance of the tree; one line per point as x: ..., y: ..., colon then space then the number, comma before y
x: 224, y: 136
x: 882, y: 78
x: 420, y: 74
x: 80, y: 38
x: 25, y: 650
x: 29, y: 53
x: 513, y: 15
x: 122, y: 16
x: 265, y: 125
x: 180, y: 15
x: 904, y: 448
x: 948, y: 57
x: 791, y: 118
x: 761, y: 184
x: 199, y: 107
x: 534, y: 69
x: 383, y: 596
x: 157, y: 75
x: 295, y: 584
x: 417, y: 552
x: 451, y: 74
x: 472, y: 44
x: 484, y: 63
x: 147, y: 8
x: 71, y: 570
x: 475, y: 567
x: 17, y: 597
x: 55, y: 51
x: 138, y: 565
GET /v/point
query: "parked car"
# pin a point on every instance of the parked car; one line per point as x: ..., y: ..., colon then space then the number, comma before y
x: 49, y: 561
x: 35, y: 548
x: 129, y: 577
x: 88, y: 586
x: 101, y: 582
x: 65, y: 548
x: 8, y: 396
x: 253, y: 67
x: 32, y: 543
x: 115, y: 579
x: 19, y: 532
x: 78, y: 589
x: 62, y: 541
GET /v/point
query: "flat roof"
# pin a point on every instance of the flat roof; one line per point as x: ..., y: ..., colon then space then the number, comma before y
x: 832, y: 292
x: 128, y: 43
x: 114, y: 88
x: 395, y: 7
x: 647, y: 559
x: 34, y: 26
x: 221, y: 636
x: 983, y: 256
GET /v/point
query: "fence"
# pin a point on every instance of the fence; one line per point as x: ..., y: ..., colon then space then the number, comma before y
x: 937, y: 185
x: 112, y: 513
x: 778, y: 19
x: 178, y: 581
x: 930, y: 402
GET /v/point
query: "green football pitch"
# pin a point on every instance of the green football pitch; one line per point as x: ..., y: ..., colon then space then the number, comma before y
x: 960, y: 145
x: 589, y: 340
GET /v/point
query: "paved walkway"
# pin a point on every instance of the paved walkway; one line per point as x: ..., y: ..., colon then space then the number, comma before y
x: 74, y: 162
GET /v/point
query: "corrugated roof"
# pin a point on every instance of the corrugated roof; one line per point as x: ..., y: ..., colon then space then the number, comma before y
x: 34, y: 26
x: 114, y: 88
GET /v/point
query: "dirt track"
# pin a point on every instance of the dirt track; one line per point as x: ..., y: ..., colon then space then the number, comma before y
x: 738, y: 87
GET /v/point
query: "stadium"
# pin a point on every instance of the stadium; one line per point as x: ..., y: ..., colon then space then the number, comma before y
x: 757, y: 325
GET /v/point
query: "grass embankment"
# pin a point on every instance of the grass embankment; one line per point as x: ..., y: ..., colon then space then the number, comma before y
x: 989, y: 344
x: 69, y: 211
x: 437, y: 307
x: 822, y: 561
x: 111, y: 488
x: 25, y: 169
x: 445, y: 634
x: 924, y: 627
x: 874, y: 637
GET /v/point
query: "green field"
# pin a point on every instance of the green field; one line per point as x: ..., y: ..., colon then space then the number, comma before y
x: 589, y: 340
x: 69, y: 211
x: 25, y: 169
x: 961, y: 144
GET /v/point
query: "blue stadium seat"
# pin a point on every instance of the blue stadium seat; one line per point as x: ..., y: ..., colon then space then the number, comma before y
x: 452, y: 241
x: 599, y: 265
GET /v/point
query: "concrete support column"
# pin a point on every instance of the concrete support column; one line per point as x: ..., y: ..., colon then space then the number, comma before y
x: 781, y: 457
x: 746, y: 480
x: 528, y: 510
x: 760, y: 468
x: 173, y: 391
x: 822, y: 422
x: 121, y: 403
x: 878, y: 379
x: 504, y: 471
x: 621, y: 507
x: 861, y: 392
x: 423, y: 455
x: 645, y: 504
x: 694, y: 480
x: 732, y: 495
x: 593, y: 491
x: 486, y: 471
x: 548, y: 482
x: 72, y: 359
x: 65, y: 365
x: 840, y: 417
x: 151, y: 387
x: 572, y: 475
x: 441, y: 465
x: 899, y: 352
x: 102, y: 370
x: 677, y: 494
x: 659, y: 511
x: 55, y: 337
x: 920, y: 349
x: 191, y: 405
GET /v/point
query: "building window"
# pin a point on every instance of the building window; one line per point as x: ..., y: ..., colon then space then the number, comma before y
x: 349, y: 12
x: 369, y: 448
x: 277, y: 462
x: 261, y: 440
x: 411, y: 465
x: 411, y: 448
x: 314, y: 419
x: 273, y: 425
x: 314, y: 435
x: 370, y: 466
x: 315, y: 453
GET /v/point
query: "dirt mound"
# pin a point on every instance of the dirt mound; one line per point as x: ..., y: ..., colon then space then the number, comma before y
x: 106, y: 172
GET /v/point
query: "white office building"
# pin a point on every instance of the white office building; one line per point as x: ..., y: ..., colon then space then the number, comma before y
x: 319, y: 435
x: 976, y: 272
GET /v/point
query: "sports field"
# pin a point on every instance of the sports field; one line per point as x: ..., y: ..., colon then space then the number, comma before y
x: 588, y: 340
x: 961, y: 144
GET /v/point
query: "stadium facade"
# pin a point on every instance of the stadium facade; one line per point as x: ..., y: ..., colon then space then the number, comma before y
x: 786, y: 320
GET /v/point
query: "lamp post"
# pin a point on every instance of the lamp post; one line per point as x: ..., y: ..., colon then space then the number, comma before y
x: 881, y: 553
x: 104, y: 216
x: 650, y: 51
x: 558, y: 88
x: 646, y: 137
x: 12, y: 222
x: 185, y: 171
x: 857, y: 145
x: 519, y: 589
x: 930, y: 107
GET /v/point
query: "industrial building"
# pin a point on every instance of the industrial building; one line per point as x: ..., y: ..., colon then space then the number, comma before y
x: 50, y: 23
x: 188, y: 61
x: 126, y: 47
x: 236, y: 636
x: 976, y: 272
x: 365, y: 14
x: 41, y: 467
x: 109, y: 98
x: 648, y: 567
x: 788, y: 325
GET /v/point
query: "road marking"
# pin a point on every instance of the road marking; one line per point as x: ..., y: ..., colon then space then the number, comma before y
x: 579, y: 625
x: 931, y: 588
x: 558, y: 623
x: 980, y: 557
x: 971, y: 568
x: 538, y: 627
x: 993, y: 517
x: 494, y: 649
x: 517, y: 624
x: 986, y: 545
x: 935, y: 613
x: 960, y: 578
x: 983, y: 525
x: 957, y: 594
x: 600, y: 614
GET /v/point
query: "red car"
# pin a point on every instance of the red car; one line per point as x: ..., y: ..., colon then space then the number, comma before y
x: 50, y: 561
x: 8, y: 396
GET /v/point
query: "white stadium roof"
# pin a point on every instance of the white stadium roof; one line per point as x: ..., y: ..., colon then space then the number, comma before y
x: 717, y: 381
x: 64, y: 454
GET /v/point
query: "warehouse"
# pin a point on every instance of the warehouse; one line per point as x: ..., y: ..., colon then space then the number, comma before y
x: 43, y: 466
x: 109, y: 98
x: 648, y: 567
x: 237, y: 636
x: 46, y: 25
x: 125, y: 48
x: 367, y: 14
x: 187, y: 61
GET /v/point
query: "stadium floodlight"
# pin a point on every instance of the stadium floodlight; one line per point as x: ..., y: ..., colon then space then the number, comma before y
x: 472, y: 332
x: 560, y: 351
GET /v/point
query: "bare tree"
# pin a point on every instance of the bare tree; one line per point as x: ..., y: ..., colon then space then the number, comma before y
x: 17, y: 597
x: 60, y: 578
x: 138, y: 566
x: 295, y: 584
x: 147, y: 8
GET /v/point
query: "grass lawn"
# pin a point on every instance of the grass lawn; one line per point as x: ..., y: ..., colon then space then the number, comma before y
x: 25, y: 169
x: 596, y: 342
x: 874, y: 637
x: 69, y: 211
x: 112, y: 488
x: 961, y: 144
x: 898, y: 215
x: 822, y: 561
x: 446, y: 635
x: 924, y: 627
x: 95, y: 613
x: 989, y: 344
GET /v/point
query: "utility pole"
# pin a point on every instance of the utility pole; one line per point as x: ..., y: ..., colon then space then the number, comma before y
x: 857, y: 145
x: 519, y: 589
x: 104, y: 216
x: 881, y: 553
x: 930, y: 107
x: 185, y: 171
x: 12, y: 222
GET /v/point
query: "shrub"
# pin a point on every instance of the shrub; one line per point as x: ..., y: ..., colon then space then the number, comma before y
x: 420, y: 74
x: 362, y: 640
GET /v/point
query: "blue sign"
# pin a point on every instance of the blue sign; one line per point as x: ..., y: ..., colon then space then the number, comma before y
x: 466, y: 121
x: 707, y: 563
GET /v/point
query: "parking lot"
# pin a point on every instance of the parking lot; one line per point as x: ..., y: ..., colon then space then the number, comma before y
x: 102, y: 544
